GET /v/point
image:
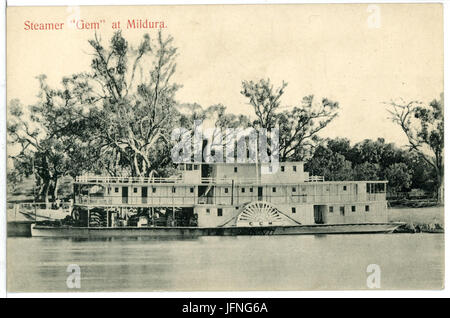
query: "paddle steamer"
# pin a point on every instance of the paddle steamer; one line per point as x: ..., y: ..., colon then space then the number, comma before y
x: 224, y: 199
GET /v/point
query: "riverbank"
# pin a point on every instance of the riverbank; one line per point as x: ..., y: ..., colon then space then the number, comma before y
x: 417, y: 220
x: 412, y: 203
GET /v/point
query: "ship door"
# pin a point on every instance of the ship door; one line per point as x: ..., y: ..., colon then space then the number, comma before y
x: 144, y: 194
x: 260, y: 193
x: 319, y: 211
x: 124, y: 194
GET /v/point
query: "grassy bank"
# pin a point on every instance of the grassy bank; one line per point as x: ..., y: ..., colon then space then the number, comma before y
x: 430, y: 219
x: 410, y: 203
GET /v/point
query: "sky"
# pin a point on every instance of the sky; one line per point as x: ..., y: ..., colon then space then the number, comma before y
x: 357, y: 54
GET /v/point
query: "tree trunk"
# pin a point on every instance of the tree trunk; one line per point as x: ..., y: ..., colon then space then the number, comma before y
x: 440, y: 190
x: 46, y: 190
x: 55, y: 189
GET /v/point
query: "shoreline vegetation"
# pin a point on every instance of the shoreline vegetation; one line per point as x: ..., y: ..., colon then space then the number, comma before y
x: 429, y: 219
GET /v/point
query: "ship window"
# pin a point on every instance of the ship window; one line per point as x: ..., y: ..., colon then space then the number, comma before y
x: 135, y: 190
x: 189, y: 167
x: 274, y: 189
x: 235, y: 169
x: 243, y: 190
x: 208, y: 211
x: 342, y: 210
x: 226, y: 190
x: 251, y: 189
x: 294, y: 189
x: 154, y: 190
x: 367, y: 208
x: 173, y: 190
x: 294, y: 168
x: 353, y: 208
x: 192, y: 190
x: 282, y: 168
x: 330, y: 209
x: 219, y: 212
x: 293, y: 210
x: 195, y: 167
x: 116, y: 190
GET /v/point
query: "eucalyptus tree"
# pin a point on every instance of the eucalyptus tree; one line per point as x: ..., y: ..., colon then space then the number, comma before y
x: 423, y: 125
x: 299, y: 126
x: 137, y: 101
x: 51, y: 138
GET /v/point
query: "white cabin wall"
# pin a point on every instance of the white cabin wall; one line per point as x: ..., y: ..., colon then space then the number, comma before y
x: 304, y: 213
x: 289, y: 175
x: 377, y: 213
x: 249, y: 171
x: 211, y: 219
x: 115, y: 194
x: 163, y: 195
x: 223, y: 195
x: 194, y: 176
x: 226, y: 170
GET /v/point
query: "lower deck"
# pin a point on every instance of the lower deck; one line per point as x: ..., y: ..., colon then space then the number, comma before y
x: 254, y: 213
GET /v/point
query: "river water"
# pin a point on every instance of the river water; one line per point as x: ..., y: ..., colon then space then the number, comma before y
x: 310, y: 262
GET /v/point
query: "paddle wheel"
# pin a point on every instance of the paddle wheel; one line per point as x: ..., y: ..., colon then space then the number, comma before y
x: 260, y: 214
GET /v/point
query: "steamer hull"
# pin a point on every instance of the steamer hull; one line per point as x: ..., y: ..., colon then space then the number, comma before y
x: 105, y: 232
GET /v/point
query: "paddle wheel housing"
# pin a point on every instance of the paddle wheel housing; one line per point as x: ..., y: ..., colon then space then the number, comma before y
x: 259, y: 213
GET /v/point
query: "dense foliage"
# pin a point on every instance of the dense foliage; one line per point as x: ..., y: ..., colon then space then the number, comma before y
x: 336, y: 159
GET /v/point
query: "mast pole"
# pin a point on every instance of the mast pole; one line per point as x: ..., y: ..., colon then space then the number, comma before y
x: 34, y: 189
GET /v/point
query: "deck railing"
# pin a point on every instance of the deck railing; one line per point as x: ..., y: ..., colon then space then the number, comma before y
x: 315, y: 179
x: 226, y: 199
x: 176, y: 179
x: 230, y: 181
x: 107, y: 179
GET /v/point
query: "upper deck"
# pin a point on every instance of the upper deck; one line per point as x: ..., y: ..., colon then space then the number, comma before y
x: 224, y: 184
x: 218, y: 174
x: 181, y: 180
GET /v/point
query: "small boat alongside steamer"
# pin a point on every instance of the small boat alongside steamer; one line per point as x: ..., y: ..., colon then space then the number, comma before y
x: 223, y: 199
x: 40, y: 211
